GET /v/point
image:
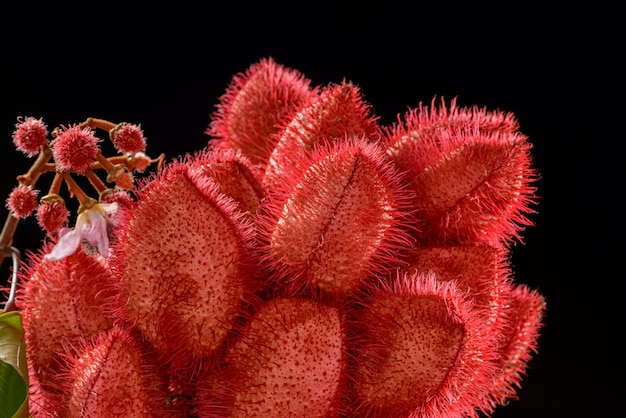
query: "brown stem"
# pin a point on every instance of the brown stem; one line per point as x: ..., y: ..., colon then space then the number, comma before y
x: 106, y: 164
x: 29, y: 179
x: 38, y: 167
x: 6, y: 236
x: 99, y: 124
x: 75, y: 189
x: 55, y: 186
x: 95, y: 181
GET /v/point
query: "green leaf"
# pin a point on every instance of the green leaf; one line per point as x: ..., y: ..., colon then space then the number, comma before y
x: 13, y: 367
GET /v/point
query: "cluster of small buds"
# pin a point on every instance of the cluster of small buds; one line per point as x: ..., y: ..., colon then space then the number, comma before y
x: 70, y: 151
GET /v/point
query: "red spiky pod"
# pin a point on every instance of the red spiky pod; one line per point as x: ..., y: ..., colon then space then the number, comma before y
x: 289, y: 360
x: 421, y: 350
x: 234, y: 175
x: 115, y: 376
x: 520, y: 327
x: 482, y: 271
x: 255, y: 104
x: 185, y: 264
x: 62, y: 302
x: 339, y: 112
x: 424, y: 121
x: 472, y: 180
x: 342, y: 219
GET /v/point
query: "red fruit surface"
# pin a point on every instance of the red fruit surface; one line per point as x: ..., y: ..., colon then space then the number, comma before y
x: 471, y: 173
x: 339, y: 112
x: 481, y: 271
x: 420, y: 351
x: 255, y: 104
x: 289, y: 361
x: 418, y: 124
x: 343, y: 219
x: 184, y: 260
x: 111, y: 379
x: 521, y: 325
x: 62, y: 302
x: 233, y: 174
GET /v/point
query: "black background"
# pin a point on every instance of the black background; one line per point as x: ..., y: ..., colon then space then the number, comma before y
x: 555, y: 66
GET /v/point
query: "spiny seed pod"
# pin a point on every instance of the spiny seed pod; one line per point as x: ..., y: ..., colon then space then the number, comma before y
x: 233, y: 174
x: 471, y: 186
x: 339, y: 112
x: 520, y: 326
x: 290, y: 360
x: 185, y: 264
x: 482, y: 271
x: 341, y: 220
x: 61, y: 302
x: 113, y: 378
x: 255, y: 104
x: 420, y: 350
x: 424, y: 121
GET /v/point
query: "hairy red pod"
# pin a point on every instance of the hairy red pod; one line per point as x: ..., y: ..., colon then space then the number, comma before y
x: 233, y: 174
x: 289, y: 360
x: 185, y: 264
x: 255, y: 104
x: 472, y: 180
x: 480, y: 270
x: 113, y: 377
x: 520, y: 327
x: 341, y: 220
x: 62, y: 302
x: 425, y: 121
x: 339, y: 112
x: 421, y: 350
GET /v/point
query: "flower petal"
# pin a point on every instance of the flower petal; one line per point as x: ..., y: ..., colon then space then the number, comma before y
x: 95, y: 232
x: 66, y: 245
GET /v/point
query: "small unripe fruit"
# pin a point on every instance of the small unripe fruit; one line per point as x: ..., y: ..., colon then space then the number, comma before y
x: 30, y: 135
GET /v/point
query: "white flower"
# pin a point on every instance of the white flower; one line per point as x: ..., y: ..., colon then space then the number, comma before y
x: 91, y: 226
